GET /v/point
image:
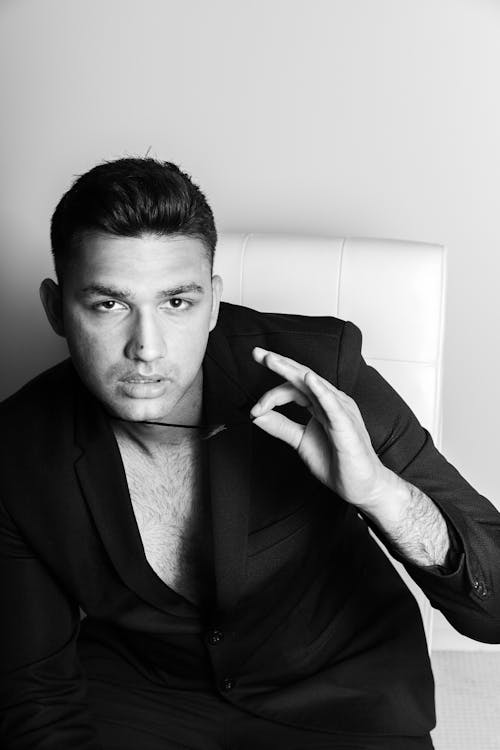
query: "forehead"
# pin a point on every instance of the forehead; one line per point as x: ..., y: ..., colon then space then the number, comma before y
x: 137, y: 261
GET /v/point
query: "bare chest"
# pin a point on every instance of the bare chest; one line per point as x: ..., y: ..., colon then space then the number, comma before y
x: 170, y: 501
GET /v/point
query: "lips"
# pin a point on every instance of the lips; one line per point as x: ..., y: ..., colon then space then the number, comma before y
x: 143, y: 386
x: 143, y: 379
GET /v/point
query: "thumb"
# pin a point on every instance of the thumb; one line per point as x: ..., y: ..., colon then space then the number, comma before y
x: 281, y: 427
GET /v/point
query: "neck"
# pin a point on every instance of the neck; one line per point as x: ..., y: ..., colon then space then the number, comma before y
x: 151, y: 437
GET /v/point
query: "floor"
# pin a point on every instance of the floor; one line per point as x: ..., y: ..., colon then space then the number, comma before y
x: 467, y: 700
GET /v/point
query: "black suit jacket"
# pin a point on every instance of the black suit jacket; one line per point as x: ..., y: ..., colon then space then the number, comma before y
x: 318, y: 630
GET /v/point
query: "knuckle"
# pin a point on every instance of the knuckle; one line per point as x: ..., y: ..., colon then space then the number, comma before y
x: 348, y: 401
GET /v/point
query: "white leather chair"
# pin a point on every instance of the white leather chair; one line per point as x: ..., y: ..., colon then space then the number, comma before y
x: 393, y: 290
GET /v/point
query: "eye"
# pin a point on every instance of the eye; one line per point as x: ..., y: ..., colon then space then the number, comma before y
x: 107, y: 305
x: 177, y: 302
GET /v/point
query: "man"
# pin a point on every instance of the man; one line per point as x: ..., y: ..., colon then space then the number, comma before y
x: 199, y: 479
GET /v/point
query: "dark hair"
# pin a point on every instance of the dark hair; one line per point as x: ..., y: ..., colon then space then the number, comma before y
x: 130, y: 198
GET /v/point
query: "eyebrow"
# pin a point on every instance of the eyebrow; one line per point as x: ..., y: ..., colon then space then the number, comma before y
x: 111, y: 291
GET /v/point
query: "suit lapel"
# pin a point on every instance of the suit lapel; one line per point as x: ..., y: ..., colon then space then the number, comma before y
x: 230, y: 457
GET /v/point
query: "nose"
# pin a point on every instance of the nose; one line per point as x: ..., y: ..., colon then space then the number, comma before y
x: 146, y: 340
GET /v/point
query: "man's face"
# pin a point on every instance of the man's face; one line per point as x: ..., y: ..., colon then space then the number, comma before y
x: 136, y: 313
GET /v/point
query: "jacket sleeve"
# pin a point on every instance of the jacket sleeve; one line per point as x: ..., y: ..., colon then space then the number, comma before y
x: 467, y: 590
x: 42, y: 693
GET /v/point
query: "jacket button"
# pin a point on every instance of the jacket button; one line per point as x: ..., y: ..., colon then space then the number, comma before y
x: 227, y: 684
x: 215, y: 636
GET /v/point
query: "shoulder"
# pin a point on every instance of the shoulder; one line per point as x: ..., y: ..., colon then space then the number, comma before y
x: 237, y: 320
x: 329, y: 345
x: 37, y: 409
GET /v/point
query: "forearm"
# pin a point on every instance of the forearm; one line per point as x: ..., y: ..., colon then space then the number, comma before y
x: 412, y: 522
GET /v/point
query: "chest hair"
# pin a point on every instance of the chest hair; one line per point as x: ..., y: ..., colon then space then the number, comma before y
x: 170, y: 499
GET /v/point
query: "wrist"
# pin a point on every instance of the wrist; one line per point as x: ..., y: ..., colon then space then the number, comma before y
x: 388, y: 500
x: 410, y: 520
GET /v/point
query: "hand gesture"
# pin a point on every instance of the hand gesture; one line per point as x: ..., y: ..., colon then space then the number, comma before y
x: 334, y: 444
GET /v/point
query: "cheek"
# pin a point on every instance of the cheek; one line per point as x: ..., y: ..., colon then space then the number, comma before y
x: 194, y: 342
x: 91, y: 349
x: 189, y: 352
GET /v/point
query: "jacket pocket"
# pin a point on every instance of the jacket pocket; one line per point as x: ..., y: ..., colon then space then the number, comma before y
x: 279, y: 531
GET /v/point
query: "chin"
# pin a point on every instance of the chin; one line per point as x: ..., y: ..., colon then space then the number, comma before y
x: 137, y: 410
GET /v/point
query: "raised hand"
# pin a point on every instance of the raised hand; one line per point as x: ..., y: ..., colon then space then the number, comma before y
x: 335, y: 444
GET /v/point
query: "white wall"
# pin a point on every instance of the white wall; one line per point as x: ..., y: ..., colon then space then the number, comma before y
x: 362, y: 117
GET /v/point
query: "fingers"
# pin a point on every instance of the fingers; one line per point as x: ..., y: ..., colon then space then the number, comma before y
x: 334, y: 410
x: 317, y: 401
x: 282, y: 394
x: 287, y: 393
x: 337, y: 415
x: 281, y: 427
x: 327, y: 407
x: 289, y: 369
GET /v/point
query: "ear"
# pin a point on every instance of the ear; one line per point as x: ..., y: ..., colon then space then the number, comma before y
x: 50, y: 294
x: 217, y: 286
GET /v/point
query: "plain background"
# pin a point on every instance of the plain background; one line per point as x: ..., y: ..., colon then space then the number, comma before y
x: 330, y: 117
